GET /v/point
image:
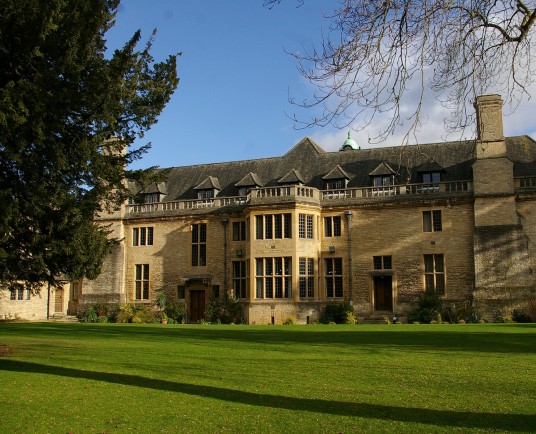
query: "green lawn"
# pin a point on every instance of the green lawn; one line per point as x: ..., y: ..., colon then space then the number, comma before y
x: 115, y: 378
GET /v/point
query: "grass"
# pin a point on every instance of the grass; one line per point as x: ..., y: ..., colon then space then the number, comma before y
x: 117, y: 378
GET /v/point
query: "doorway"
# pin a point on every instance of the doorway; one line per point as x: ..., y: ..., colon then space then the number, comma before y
x: 383, y: 293
x: 197, y: 305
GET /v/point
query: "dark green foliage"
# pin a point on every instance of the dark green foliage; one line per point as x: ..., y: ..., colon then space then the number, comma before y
x: 429, y: 306
x: 176, y: 312
x: 69, y: 114
x: 224, y: 310
x: 462, y: 310
x: 90, y: 315
x: 337, y: 313
x: 521, y: 316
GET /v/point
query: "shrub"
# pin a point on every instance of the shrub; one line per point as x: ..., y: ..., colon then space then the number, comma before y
x: 176, y: 311
x: 350, y: 318
x: 143, y: 317
x: 102, y: 319
x: 429, y: 306
x: 225, y: 308
x: 125, y: 314
x: 454, y: 312
x: 90, y: 315
x: 290, y: 321
x: 520, y: 316
x: 337, y: 312
x: 503, y: 315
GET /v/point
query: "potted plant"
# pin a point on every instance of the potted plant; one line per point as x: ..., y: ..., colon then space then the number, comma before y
x: 164, y: 318
x: 161, y: 305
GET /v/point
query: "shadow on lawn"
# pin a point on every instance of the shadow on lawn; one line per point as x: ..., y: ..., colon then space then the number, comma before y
x: 449, y: 418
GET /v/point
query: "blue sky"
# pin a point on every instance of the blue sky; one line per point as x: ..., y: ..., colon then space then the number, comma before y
x: 235, y: 79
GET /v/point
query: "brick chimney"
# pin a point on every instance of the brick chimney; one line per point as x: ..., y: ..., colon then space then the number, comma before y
x: 490, y: 136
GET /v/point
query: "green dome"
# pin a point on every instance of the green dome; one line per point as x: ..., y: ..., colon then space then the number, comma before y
x: 349, y: 143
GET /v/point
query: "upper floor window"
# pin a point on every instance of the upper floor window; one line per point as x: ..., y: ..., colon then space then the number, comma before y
x: 305, y: 226
x: 206, y: 194
x: 336, y: 184
x: 273, y: 278
x: 382, y: 262
x: 333, y: 270
x: 152, y: 198
x: 382, y: 181
x: 332, y: 226
x: 434, y: 273
x: 239, y: 231
x: 141, y: 282
x: 431, y: 221
x: 270, y: 226
x: 431, y: 177
x: 199, y: 244
x: 142, y: 236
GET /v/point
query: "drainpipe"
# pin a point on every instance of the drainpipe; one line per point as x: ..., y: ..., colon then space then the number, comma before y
x: 350, y: 289
x: 224, y: 222
x: 48, y: 301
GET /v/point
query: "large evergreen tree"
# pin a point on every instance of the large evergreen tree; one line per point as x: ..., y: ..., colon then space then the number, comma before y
x: 68, y: 117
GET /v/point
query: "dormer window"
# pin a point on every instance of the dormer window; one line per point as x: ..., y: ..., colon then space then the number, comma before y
x: 205, y: 194
x: 382, y: 181
x: 248, y: 182
x: 152, y: 198
x: 336, y: 179
x: 336, y: 184
x: 208, y: 189
x: 431, y: 178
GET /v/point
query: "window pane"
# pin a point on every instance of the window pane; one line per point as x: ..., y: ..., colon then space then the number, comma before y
x: 259, y: 267
x: 259, y: 288
x: 268, y: 227
x: 387, y: 263
x: 195, y: 255
x: 338, y: 266
x: 236, y: 231
x: 338, y: 286
x: 437, y: 221
x: 278, y: 225
x: 203, y: 233
x: 143, y: 232
x: 287, y: 262
x: 439, y: 263
x: 302, y: 266
x: 310, y: 266
x: 278, y: 266
x: 202, y: 254
x: 426, y: 221
x: 336, y: 226
x: 259, y: 227
x: 288, y: 287
x: 310, y: 287
x: 268, y: 291
x: 278, y: 287
x: 135, y: 236
x: 428, y: 263
x: 303, y: 287
x: 288, y: 226
x: 149, y: 236
x: 310, y: 226
x: 377, y: 262
x: 440, y: 284
x: 327, y: 227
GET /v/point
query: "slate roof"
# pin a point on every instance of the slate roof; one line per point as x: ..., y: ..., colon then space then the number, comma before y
x: 313, y: 164
x: 383, y: 169
x: 209, y: 183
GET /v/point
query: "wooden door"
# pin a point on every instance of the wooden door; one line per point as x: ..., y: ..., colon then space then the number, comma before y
x: 58, y: 301
x: 383, y: 293
x: 197, y: 305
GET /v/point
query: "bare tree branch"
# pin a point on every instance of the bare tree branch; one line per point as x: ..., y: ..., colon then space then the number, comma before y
x: 378, y: 51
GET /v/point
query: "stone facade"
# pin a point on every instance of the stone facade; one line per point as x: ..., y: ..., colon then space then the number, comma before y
x: 374, y: 227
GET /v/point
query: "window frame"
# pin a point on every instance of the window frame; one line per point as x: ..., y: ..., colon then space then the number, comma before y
x: 273, y: 278
x: 141, y: 282
x: 334, y: 287
x: 434, y: 273
x: 199, y: 244
x: 239, y: 270
x: 432, y: 221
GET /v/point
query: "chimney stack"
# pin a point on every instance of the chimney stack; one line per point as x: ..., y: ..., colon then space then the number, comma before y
x: 490, y: 136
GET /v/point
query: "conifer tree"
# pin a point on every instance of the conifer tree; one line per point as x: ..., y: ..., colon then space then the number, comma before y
x: 69, y: 114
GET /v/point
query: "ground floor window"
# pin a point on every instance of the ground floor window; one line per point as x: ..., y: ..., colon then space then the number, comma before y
x: 333, y: 279
x: 239, y: 279
x: 307, y: 278
x: 273, y: 278
x: 434, y: 273
x: 19, y: 293
x: 142, y: 282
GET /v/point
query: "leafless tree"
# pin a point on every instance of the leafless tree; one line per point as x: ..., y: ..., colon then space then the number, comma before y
x: 378, y: 51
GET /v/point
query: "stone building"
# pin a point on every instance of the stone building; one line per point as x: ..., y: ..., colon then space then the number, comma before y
x: 376, y: 227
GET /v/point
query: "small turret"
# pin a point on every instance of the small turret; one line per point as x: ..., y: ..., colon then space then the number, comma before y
x: 349, y: 144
